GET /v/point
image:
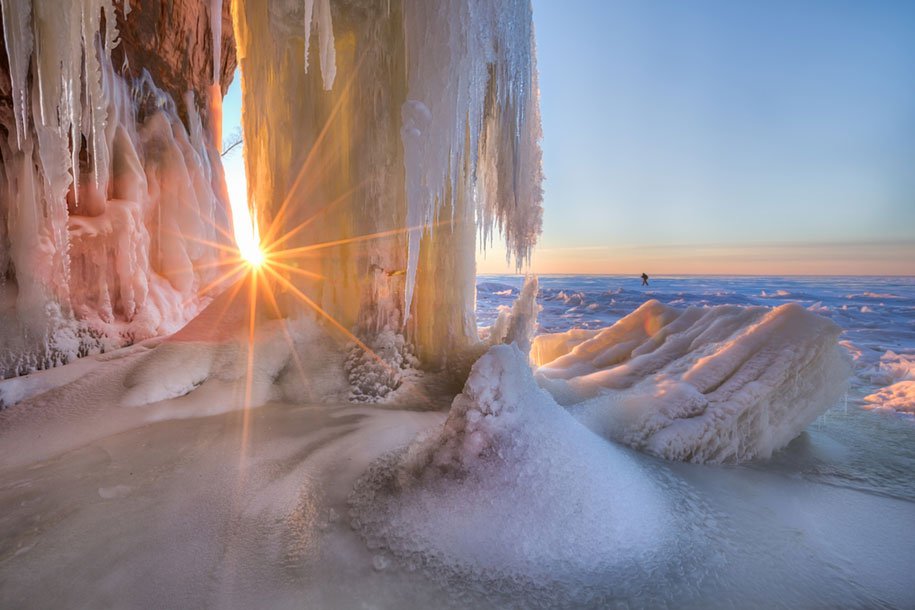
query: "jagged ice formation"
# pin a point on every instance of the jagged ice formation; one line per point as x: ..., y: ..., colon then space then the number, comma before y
x: 110, y: 180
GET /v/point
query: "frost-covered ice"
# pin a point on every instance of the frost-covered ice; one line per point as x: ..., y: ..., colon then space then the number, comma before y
x: 719, y: 384
x: 109, y: 244
x: 461, y: 501
x: 899, y: 397
x: 897, y: 371
x: 880, y: 340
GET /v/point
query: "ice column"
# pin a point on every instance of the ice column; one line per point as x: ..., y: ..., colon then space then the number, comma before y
x: 423, y: 124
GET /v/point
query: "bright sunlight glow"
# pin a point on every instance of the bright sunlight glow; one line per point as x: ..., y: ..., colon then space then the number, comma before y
x: 247, y: 236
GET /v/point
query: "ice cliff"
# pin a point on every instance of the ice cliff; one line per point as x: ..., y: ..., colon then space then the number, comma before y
x: 402, y: 131
x: 111, y: 189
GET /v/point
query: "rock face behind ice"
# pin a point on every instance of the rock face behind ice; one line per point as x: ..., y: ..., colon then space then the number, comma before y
x: 719, y: 384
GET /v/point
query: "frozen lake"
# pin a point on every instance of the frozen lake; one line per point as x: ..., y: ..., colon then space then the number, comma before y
x: 257, y: 508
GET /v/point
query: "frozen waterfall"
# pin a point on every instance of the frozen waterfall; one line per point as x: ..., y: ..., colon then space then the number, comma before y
x: 422, y: 124
x: 112, y: 206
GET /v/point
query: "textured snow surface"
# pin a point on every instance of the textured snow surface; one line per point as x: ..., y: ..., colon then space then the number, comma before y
x: 897, y: 371
x: 513, y: 490
x: 899, y: 397
x: 719, y: 384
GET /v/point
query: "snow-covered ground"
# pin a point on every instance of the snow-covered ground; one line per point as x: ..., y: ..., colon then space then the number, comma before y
x: 503, y: 500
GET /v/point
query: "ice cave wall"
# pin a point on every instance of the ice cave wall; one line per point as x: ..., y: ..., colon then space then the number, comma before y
x: 110, y: 180
x: 365, y: 117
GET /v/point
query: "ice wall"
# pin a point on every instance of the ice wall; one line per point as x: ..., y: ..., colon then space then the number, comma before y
x: 109, y: 195
x: 418, y: 120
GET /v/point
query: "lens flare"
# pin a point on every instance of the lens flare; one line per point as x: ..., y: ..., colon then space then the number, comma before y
x: 247, y: 236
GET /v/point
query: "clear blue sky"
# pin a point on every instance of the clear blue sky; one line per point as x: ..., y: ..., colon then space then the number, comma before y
x: 768, y: 126
x: 723, y: 136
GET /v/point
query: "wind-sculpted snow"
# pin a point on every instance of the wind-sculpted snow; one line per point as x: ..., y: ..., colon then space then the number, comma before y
x: 513, y: 492
x: 719, y: 384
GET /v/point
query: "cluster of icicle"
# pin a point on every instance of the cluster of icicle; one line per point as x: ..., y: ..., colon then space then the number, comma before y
x: 100, y: 257
x: 473, y: 103
x: 472, y: 113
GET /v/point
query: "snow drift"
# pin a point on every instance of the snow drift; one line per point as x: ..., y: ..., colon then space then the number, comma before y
x: 717, y: 384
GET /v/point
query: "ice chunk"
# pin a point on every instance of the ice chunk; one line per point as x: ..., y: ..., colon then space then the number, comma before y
x: 719, y: 384
x: 519, y: 323
x: 898, y: 372
x: 898, y: 397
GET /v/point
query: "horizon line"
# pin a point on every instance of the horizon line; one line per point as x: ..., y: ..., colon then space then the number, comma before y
x: 663, y: 275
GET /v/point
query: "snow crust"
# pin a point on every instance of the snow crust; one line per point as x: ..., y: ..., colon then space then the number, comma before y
x: 719, y: 384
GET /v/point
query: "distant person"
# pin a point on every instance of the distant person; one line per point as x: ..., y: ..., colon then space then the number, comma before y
x: 644, y: 279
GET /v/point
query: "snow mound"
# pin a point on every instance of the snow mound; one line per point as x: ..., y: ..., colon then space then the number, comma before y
x: 720, y: 384
x: 235, y: 367
x: 513, y: 491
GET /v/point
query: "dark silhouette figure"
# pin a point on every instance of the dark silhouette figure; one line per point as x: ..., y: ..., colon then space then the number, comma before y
x: 644, y: 279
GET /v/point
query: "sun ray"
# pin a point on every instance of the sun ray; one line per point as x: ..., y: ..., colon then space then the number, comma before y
x: 291, y: 269
x: 291, y: 233
x: 221, y: 263
x: 206, y: 242
x: 230, y: 239
x: 249, y: 372
x: 320, y: 311
x: 312, y: 154
x: 222, y: 278
x: 271, y: 300
x: 349, y: 240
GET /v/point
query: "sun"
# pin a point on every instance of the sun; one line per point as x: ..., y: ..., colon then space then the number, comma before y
x: 253, y: 254
x: 247, y: 235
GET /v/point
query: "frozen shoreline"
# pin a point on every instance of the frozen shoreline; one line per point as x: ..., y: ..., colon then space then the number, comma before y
x: 251, y: 507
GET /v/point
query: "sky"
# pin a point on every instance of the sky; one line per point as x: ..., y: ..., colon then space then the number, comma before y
x: 723, y: 137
